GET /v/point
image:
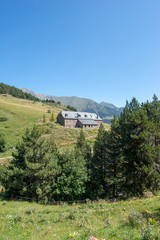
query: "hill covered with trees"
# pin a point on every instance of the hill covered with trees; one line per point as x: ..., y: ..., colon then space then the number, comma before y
x: 16, y: 92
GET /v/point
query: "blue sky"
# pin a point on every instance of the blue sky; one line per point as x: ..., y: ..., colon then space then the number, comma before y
x: 106, y: 50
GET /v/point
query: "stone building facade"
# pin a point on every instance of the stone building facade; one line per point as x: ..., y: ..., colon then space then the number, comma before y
x: 79, y: 119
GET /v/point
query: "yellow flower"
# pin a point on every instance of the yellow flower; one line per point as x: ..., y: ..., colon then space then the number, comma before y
x: 72, y: 235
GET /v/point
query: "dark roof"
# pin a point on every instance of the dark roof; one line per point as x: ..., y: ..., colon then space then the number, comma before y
x: 88, y: 122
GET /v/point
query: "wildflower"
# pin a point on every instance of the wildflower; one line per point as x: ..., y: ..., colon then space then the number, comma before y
x: 72, y: 235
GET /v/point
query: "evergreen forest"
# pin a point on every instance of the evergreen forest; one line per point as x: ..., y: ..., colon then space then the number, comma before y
x: 124, y: 161
x: 15, y: 92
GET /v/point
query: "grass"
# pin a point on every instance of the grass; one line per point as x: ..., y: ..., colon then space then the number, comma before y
x: 18, y: 114
x: 136, y: 219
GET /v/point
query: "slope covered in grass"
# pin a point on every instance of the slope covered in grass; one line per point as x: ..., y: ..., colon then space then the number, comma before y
x: 18, y: 114
x: 136, y: 219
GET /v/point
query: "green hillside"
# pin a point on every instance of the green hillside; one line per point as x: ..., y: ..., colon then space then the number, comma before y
x: 137, y: 219
x: 16, y: 92
x: 105, y: 110
x: 17, y: 114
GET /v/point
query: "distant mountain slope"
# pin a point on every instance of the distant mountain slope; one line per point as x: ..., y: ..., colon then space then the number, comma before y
x: 110, y: 105
x: 103, y: 109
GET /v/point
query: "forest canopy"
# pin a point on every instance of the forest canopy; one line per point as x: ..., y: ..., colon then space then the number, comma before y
x: 124, y: 161
x: 15, y: 92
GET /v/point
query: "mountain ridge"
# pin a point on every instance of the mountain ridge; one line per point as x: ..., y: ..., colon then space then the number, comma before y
x: 105, y: 110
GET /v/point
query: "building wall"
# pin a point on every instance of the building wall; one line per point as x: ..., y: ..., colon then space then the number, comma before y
x: 70, y: 123
x: 80, y: 125
x: 60, y: 119
x: 99, y: 123
x: 73, y: 123
x: 90, y: 126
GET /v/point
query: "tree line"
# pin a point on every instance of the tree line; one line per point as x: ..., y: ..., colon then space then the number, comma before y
x: 15, y: 92
x: 124, y: 161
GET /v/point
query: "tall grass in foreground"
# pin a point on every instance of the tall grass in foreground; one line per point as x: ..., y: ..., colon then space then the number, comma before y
x: 132, y: 219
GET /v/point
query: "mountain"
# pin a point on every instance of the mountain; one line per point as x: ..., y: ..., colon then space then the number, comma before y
x: 103, y: 109
x: 110, y: 105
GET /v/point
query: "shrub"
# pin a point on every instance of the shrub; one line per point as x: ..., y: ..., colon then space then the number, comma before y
x: 3, y: 119
x: 135, y: 219
x: 2, y: 143
x: 147, y: 234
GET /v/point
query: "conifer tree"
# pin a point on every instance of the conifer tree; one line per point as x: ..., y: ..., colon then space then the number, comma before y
x: 82, y: 146
x: 83, y: 150
x: 136, y: 131
x: 33, y: 168
x: 114, y: 160
x: 153, y: 112
x: 99, y: 164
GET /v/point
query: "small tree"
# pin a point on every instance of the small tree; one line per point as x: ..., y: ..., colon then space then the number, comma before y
x: 52, y: 119
x: 82, y: 146
x: 2, y: 143
x: 70, y: 184
x: 44, y: 118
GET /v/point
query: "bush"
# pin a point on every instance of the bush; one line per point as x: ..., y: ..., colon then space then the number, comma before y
x: 3, y: 119
x: 147, y: 233
x: 2, y: 143
x: 135, y: 219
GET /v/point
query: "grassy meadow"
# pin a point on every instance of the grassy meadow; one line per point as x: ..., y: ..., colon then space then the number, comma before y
x: 136, y: 219
x: 20, y: 114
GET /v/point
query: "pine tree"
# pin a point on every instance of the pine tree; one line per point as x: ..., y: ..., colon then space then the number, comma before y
x: 114, y: 160
x: 99, y: 164
x: 33, y: 168
x: 83, y: 150
x: 82, y: 146
x: 136, y: 132
x: 153, y: 112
